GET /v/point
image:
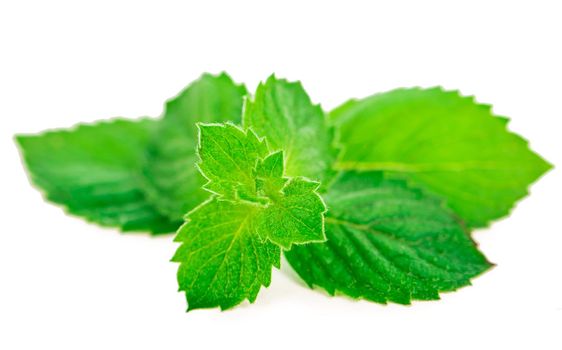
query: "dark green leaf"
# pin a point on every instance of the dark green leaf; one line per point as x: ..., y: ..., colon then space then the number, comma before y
x: 387, y: 242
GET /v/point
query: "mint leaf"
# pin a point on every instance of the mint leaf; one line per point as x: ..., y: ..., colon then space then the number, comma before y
x: 222, y: 260
x: 92, y: 170
x: 282, y: 112
x: 387, y: 242
x: 449, y: 144
x: 172, y: 182
x: 228, y: 159
x: 230, y: 243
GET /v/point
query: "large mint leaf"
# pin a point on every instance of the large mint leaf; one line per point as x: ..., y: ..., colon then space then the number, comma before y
x: 93, y: 171
x: 230, y: 242
x: 282, y: 112
x: 172, y: 182
x: 387, y: 242
x: 447, y: 143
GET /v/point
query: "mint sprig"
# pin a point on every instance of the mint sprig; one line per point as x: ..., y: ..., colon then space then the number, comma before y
x: 230, y: 243
x: 385, y: 219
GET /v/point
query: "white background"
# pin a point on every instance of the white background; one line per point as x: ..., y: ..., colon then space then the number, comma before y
x: 65, y: 284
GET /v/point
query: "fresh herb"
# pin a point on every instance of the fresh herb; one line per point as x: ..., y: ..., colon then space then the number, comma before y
x: 231, y: 241
x: 374, y: 200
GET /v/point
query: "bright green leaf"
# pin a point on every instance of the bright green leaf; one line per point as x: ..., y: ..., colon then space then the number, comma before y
x: 282, y: 112
x: 444, y: 142
x: 294, y: 215
x: 228, y: 158
x: 223, y: 260
x: 231, y: 242
x: 387, y: 242
x: 172, y: 182
x: 93, y: 171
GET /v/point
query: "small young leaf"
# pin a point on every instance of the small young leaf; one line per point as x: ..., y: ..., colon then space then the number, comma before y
x: 93, y: 170
x: 282, y: 112
x: 231, y: 242
x: 387, y: 242
x: 172, y: 182
x: 228, y: 158
x: 444, y: 142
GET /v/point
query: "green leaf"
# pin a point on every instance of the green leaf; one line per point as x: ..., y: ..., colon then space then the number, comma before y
x: 172, y: 182
x: 230, y: 243
x: 228, y: 160
x: 282, y: 112
x: 93, y: 171
x: 449, y: 144
x: 222, y: 260
x: 387, y: 242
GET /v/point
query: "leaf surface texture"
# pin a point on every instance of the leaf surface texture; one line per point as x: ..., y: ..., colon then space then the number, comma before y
x: 387, y: 242
x: 444, y: 142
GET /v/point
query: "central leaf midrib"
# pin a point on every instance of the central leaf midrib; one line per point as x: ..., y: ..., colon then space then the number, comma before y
x: 422, y: 167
